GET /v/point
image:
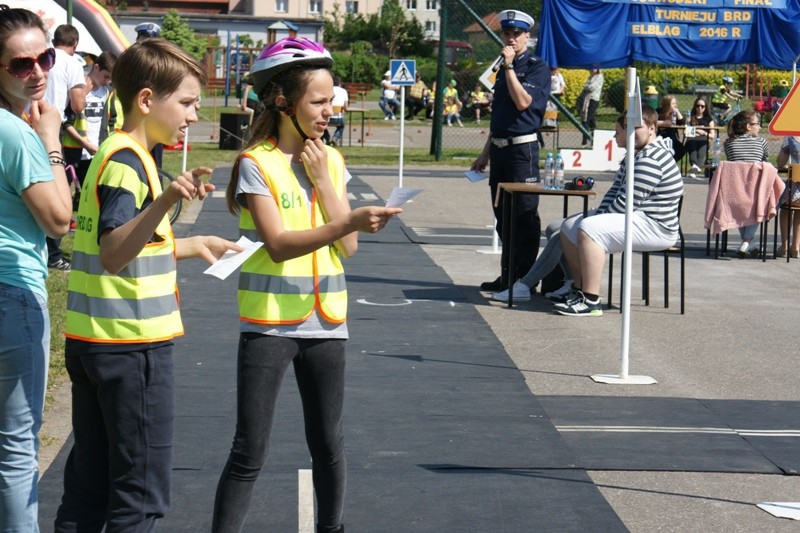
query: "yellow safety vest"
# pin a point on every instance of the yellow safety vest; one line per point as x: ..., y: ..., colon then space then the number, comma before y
x: 287, y: 293
x: 82, y: 127
x: 139, y: 304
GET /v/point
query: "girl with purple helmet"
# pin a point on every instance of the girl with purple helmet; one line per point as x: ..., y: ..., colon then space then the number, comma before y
x: 290, y: 192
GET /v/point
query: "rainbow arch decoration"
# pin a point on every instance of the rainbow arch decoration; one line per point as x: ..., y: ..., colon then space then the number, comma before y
x: 98, y: 31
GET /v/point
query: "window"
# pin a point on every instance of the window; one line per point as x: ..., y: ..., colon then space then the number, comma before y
x: 351, y: 6
x: 430, y: 26
x: 281, y: 6
x: 411, y: 5
x: 315, y: 6
x: 431, y: 5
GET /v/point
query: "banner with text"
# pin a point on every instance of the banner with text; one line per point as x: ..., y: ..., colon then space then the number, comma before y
x: 614, y: 33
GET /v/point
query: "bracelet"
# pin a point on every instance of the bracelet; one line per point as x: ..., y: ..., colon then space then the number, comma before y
x: 57, y: 161
x: 56, y: 153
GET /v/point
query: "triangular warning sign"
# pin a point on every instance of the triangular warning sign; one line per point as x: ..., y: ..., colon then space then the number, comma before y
x: 787, y: 120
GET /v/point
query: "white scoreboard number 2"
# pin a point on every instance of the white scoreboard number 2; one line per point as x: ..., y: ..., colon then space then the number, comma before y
x: 605, y: 155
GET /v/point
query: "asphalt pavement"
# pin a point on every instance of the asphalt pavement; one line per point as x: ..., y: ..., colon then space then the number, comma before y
x: 465, y: 415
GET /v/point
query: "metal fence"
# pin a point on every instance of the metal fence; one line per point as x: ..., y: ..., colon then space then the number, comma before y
x: 469, y: 43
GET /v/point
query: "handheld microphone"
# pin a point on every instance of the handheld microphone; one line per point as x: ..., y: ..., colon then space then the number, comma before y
x: 498, y: 63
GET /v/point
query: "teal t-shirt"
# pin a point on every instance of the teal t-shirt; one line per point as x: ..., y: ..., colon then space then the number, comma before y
x: 23, y: 162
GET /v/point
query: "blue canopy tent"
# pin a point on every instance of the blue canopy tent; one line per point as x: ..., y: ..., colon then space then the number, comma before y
x: 615, y: 33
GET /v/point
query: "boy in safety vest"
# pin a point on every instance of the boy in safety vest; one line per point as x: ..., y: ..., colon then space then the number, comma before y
x: 122, y: 309
x: 82, y: 132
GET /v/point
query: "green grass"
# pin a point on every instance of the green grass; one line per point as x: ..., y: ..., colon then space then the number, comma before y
x: 57, y: 304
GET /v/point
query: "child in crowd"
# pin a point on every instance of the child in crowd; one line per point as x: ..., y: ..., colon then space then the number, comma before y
x: 290, y: 192
x: 123, y: 310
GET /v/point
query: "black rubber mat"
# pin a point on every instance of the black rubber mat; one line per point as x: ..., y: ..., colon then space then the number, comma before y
x: 441, y: 432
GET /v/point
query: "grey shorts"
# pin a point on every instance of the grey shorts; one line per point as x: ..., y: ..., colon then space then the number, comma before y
x: 608, y: 231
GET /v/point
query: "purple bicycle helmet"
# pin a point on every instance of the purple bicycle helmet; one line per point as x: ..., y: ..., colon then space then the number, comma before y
x: 281, y: 55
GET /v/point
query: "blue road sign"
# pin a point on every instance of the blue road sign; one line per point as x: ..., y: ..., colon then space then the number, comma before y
x: 403, y: 71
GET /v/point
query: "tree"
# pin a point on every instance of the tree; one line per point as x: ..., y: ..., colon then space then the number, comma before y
x: 175, y: 29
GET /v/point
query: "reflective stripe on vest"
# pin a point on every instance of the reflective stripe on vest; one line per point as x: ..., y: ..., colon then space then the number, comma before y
x: 288, y: 292
x: 81, y: 125
x: 140, y: 303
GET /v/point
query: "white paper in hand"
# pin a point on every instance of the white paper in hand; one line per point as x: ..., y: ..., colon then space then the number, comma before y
x: 474, y: 175
x: 230, y: 261
x: 400, y: 196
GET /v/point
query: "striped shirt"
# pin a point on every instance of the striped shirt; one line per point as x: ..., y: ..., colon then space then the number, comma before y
x: 746, y: 148
x: 657, y: 186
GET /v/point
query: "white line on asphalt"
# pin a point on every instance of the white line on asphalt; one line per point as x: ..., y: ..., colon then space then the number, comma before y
x: 305, y: 501
x: 666, y: 429
x: 369, y: 196
x: 430, y: 232
x: 217, y: 194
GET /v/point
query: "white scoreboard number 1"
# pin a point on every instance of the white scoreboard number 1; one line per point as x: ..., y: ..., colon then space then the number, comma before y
x: 605, y: 154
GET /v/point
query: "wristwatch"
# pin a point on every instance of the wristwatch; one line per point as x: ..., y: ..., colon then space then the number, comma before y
x: 508, y: 66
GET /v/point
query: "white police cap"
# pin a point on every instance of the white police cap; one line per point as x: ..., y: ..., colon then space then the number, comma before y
x: 513, y: 19
x: 150, y: 29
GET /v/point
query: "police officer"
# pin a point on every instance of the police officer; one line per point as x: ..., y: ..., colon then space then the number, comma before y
x: 147, y: 30
x: 520, y: 97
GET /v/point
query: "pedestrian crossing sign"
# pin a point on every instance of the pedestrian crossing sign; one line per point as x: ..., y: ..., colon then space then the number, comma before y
x: 403, y: 71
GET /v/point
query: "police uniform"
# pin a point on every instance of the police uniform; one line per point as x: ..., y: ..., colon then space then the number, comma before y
x: 514, y: 150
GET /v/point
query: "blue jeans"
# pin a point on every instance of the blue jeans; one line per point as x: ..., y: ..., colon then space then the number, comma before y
x: 552, y: 255
x: 389, y: 106
x: 24, y: 358
x: 748, y: 233
x: 319, y: 371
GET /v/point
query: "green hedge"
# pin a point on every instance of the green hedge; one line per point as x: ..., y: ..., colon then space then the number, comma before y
x: 671, y: 80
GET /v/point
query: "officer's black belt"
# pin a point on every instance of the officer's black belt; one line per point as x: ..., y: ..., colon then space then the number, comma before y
x: 502, y: 142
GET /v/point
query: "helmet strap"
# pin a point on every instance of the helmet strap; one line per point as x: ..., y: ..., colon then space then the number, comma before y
x: 298, y: 128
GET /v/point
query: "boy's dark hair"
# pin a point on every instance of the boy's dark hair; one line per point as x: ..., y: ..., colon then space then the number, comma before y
x: 649, y: 117
x: 106, y: 61
x: 66, y: 35
x: 154, y: 64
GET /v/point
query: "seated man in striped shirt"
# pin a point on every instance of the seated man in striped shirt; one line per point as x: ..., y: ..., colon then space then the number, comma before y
x: 658, y: 187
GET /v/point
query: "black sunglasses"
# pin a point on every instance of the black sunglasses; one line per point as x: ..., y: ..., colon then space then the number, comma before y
x: 21, y: 67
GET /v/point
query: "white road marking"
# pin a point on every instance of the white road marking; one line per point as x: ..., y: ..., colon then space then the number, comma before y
x: 666, y: 429
x: 364, y: 301
x: 305, y: 501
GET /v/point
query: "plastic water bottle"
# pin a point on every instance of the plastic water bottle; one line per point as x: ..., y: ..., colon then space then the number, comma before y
x: 548, y: 171
x: 558, y: 183
x: 716, y: 152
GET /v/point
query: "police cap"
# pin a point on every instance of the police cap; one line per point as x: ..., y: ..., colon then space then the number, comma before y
x: 513, y: 19
x: 148, y: 29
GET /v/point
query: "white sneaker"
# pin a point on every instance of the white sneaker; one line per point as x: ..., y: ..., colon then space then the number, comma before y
x: 696, y: 169
x: 522, y: 293
x: 742, y: 251
x: 560, y: 293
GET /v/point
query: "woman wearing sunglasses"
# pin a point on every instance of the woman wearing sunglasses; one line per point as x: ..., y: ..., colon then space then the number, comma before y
x: 34, y: 202
x: 697, y: 146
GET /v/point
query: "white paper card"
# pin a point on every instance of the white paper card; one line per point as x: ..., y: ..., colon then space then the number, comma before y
x: 782, y: 509
x: 400, y: 196
x: 230, y: 261
x: 690, y: 131
x: 474, y: 175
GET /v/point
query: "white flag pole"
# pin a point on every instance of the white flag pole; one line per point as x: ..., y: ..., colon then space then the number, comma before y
x: 185, y: 150
x: 634, y: 120
x: 402, y: 132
